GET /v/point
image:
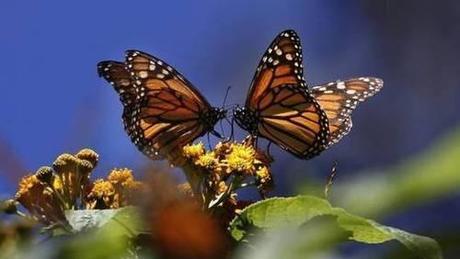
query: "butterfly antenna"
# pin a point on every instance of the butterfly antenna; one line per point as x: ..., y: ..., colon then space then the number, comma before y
x: 223, y: 108
x: 225, y: 97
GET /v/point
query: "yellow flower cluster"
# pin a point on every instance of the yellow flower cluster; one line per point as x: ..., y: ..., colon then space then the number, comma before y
x: 117, y: 191
x: 40, y: 200
x: 67, y: 185
x: 228, y: 165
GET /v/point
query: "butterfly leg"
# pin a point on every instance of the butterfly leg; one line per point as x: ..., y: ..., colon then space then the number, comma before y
x: 232, y: 124
x: 209, y: 140
x: 268, y: 149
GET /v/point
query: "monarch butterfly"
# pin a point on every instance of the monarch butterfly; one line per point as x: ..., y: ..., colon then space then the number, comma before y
x: 281, y: 108
x: 162, y: 111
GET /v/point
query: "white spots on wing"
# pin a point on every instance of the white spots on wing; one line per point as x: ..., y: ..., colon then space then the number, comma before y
x: 160, y: 76
x: 169, y: 68
x: 138, y: 82
x: 351, y: 91
x: 264, y: 59
x: 124, y: 82
x: 276, y: 62
x: 322, y: 88
x: 143, y: 74
x: 328, y: 92
x: 289, y: 56
x: 159, y: 62
x: 270, y: 60
x: 341, y: 85
x: 270, y: 50
x: 165, y: 72
x: 296, y: 64
x: 279, y: 52
x: 152, y: 67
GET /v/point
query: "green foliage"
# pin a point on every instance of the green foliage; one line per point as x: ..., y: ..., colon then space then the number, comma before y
x: 432, y: 175
x: 292, y: 213
x: 125, y: 221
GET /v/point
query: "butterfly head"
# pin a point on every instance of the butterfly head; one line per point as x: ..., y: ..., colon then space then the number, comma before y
x: 246, y: 119
x: 211, y: 117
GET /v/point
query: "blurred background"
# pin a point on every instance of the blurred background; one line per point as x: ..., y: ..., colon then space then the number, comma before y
x: 405, y: 137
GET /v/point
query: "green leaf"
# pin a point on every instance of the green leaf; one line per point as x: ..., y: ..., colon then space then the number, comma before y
x: 125, y: 221
x: 281, y: 213
x: 431, y: 175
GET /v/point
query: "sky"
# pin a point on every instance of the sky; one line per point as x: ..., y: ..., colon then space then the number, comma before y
x: 54, y: 102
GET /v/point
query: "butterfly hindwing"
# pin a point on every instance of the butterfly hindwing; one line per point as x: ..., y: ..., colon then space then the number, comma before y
x: 119, y: 77
x: 338, y: 99
x: 292, y: 119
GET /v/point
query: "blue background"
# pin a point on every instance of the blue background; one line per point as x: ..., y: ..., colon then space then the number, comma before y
x: 52, y: 100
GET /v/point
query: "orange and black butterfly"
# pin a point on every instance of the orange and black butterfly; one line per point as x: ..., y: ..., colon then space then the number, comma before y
x: 281, y: 108
x: 163, y: 111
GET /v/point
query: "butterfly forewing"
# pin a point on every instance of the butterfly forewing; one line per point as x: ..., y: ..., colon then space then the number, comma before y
x: 339, y: 99
x: 281, y: 64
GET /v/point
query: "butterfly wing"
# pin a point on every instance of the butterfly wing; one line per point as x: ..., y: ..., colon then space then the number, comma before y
x: 119, y: 77
x: 280, y: 65
x: 291, y: 118
x: 287, y: 114
x: 166, y: 111
x: 339, y: 99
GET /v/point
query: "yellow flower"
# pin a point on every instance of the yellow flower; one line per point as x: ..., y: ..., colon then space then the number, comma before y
x: 221, y: 187
x: 45, y: 174
x: 241, y: 158
x: 263, y: 174
x: 120, y: 176
x: 207, y: 160
x: 102, y: 196
x: 223, y: 148
x: 185, y: 189
x: 88, y: 155
x: 40, y: 200
x: 193, y: 151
